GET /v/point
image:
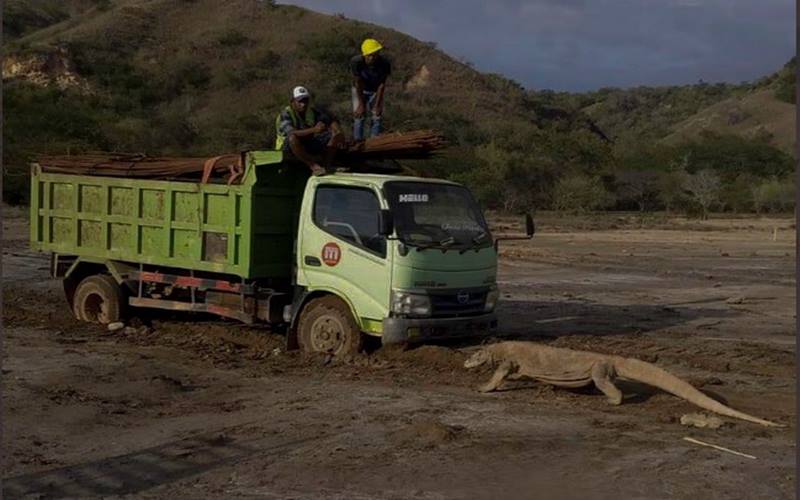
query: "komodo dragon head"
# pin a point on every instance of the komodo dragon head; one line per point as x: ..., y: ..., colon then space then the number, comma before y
x: 480, y: 357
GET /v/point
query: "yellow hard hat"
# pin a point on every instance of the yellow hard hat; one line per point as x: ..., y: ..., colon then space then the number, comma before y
x: 370, y: 46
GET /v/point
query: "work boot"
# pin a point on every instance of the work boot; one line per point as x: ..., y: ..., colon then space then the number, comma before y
x: 317, y: 170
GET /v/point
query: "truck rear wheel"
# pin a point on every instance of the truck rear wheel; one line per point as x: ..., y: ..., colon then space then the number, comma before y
x: 326, y: 326
x: 98, y: 299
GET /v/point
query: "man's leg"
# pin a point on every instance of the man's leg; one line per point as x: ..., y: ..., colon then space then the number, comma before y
x: 358, y: 121
x: 375, y: 128
x: 300, y: 152
x: 332, y: 146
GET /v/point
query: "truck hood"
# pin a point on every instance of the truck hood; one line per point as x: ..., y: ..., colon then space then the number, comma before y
x: 432, y: 268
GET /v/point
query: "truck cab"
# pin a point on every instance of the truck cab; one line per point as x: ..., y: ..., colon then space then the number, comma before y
x: 411, y: 259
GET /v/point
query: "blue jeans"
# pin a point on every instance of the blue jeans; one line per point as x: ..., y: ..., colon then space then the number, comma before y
x: 358, y: 122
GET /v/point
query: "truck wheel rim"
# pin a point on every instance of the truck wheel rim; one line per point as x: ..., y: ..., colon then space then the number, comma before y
x: 94, y: 308
x: 327, y: 334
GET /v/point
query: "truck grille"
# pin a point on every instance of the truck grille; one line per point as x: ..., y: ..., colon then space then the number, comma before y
x: 466, y: 302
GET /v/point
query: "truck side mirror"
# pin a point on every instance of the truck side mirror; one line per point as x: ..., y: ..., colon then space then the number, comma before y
x: 385, y: 223
x: 530, y: 228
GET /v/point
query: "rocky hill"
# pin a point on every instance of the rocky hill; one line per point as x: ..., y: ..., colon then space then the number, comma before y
x: 764, y: 109
x: 227, y: 67
x: 202, y: 77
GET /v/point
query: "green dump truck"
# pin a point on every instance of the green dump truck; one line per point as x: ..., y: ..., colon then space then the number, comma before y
x: 332, y: 258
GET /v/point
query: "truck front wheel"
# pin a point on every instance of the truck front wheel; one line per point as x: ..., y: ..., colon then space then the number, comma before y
x: 327, y: 326
x: 98, y: 299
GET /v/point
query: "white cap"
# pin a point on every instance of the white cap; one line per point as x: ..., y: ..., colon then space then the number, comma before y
x: 300, y: 93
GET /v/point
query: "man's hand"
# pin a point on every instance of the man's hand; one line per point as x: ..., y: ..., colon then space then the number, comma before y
x: 337, y: 140
x: 377, y: 110
x: 319, y: 128
x: 359, y: 112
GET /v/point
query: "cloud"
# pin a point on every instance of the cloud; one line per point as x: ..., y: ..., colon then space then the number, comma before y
x: 582, y: 44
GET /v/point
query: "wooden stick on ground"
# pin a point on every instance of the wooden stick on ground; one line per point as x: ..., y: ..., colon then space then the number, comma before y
x: 701, y: 443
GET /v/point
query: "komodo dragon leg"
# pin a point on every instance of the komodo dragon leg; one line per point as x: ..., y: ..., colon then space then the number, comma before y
x: 602, y: 376
x: 497, y: 379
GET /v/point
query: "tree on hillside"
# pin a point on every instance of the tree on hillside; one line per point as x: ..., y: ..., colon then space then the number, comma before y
x: 501, y: 179
x: 736, y: 195
x: 704, y: 188
x: 774, y: 195
x: 639, y: 187
x: 731, y: 155
x: 670, y: 188
x: 579, y: 193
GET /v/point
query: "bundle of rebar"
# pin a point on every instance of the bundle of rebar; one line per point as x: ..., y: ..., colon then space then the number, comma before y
x: 398, y: 145
x: 229, y: 167
x: 142, y: 166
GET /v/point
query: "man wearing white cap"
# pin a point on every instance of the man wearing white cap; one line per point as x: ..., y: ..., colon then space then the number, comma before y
x: 307, y: 132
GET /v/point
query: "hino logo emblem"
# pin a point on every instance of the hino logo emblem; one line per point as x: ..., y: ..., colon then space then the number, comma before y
x: 463, y: 297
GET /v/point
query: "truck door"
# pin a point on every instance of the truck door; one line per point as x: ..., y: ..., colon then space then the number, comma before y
x: 341, y: 250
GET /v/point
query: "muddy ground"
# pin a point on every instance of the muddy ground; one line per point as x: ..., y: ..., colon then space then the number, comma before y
x: 192, y: 408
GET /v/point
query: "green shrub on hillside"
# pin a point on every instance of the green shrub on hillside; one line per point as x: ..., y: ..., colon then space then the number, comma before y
x: 636, y: 189
x: 579, y: 193
x: 737, y: 194
x: 261, y: 65
x: 508, y: 179
x: 730, y: 155
x: 39, y: 121
x: 128, y: 88
x: 786, y: 82
x: 670, y: 189
x: 232, y: 37
x: 23, y: 16
x: 775, y: 195
x: 183, y: 76
x: 333, y: 49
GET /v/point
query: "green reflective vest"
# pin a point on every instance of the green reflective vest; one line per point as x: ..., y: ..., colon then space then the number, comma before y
x: 307, y: 121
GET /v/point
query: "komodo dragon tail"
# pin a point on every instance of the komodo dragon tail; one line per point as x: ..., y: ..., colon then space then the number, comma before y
x: 640, y: 371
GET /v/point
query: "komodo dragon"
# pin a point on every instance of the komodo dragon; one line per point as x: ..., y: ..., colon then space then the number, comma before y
x: 568, y: 368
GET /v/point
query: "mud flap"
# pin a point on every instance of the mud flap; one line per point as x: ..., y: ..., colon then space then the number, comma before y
x: 291, y: 339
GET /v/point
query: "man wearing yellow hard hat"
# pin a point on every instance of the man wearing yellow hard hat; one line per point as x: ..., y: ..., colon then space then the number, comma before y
x: 370, y: 70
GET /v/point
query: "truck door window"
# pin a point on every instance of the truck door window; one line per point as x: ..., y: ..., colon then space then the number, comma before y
x: 351, y: 214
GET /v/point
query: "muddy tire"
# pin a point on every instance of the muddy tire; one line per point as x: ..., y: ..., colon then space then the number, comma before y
x: 326, y: 326
x: 98, y: 299
x: 70, y: 284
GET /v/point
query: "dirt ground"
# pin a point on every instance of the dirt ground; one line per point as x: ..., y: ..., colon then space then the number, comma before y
x: 192, y: 408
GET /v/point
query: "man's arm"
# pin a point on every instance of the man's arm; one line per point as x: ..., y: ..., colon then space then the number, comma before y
x: 378, y: 108
x: 303, y: 132
x: 288, y: 129
x: 358, y: 83
x: 336, y: 129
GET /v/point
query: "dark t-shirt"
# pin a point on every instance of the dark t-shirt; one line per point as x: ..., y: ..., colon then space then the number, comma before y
x: 372, y: 76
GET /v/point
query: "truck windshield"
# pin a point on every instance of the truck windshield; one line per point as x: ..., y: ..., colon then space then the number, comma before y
x: 436, y: 215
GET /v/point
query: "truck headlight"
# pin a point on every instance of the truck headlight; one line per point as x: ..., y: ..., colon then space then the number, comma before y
x: 491, y: 299
x: 411, y: 304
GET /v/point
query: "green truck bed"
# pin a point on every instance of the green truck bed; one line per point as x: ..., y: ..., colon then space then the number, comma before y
x: 246, y: 230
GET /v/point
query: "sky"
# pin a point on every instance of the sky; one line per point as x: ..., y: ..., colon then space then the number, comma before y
x: 579, y: 45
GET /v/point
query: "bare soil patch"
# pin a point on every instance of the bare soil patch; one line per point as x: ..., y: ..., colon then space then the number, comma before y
x: 189, y: 406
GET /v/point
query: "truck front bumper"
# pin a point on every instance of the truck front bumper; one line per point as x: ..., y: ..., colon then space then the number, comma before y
x: 402, y: 330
